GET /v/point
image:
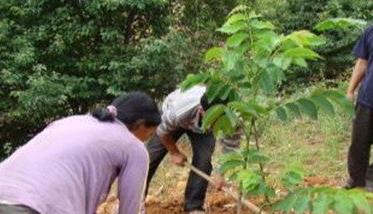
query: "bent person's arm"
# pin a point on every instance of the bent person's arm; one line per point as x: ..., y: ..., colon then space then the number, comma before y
x: 168, y: 141
x: 131, y: 183
x: 165, y: 131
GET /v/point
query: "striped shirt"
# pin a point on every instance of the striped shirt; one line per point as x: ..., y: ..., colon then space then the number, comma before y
x: 180, y: 110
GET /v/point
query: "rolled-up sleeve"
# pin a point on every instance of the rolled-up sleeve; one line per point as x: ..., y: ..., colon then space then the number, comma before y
x: 169, y: 123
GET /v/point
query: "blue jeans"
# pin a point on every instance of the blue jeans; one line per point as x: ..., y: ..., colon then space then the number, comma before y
x: 203, y: 146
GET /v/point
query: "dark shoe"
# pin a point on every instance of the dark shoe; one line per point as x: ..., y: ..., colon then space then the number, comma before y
x: 369, y: 185
x: 352, y: 185
x: 197, y: 212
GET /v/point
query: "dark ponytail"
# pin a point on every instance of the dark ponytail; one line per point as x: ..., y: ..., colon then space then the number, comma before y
x: 130, y: 109
x: 103, y: 114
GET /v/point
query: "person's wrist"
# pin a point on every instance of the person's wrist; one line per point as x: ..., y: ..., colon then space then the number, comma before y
x: 175, y: 152
x: 350, y: 91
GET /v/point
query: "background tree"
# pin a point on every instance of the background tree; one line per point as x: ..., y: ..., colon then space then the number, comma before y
x: 249, y: 70
x: 63, y: 57
x: 293, y: 15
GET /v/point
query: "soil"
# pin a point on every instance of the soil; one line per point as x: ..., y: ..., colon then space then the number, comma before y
x: 217, y: 202
x: 315, y: 181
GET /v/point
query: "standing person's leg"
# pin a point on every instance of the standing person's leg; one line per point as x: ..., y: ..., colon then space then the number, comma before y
x: 203, y: 146
x: 230, y: 144
x: 156, y: 154
x: 369, y: 179
x: 359, y: 151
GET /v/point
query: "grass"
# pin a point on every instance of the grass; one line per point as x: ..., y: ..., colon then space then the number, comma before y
x: 318, y: 148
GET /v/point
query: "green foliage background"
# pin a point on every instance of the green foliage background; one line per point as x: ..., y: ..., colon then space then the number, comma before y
x: 63, y: 57
x: 248, y: 71
x: 293, y: 15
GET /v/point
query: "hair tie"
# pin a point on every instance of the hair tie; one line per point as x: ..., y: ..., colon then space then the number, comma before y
x: 113, y: 110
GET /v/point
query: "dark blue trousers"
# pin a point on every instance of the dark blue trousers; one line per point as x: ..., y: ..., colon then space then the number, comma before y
x: 203, y: 146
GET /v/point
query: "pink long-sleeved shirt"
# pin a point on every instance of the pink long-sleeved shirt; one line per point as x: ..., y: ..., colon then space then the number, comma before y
x: 69, y: 166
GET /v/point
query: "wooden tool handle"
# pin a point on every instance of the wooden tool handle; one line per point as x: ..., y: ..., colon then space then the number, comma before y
x: 248, y: 204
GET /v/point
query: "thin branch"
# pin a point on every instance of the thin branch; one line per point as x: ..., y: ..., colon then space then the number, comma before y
x: 255, y: 132
x: 128, y: 26
x: 247, y: 133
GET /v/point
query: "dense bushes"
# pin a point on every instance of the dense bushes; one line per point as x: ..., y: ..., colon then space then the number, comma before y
x: 63, y: 57
x: 302, y: 14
